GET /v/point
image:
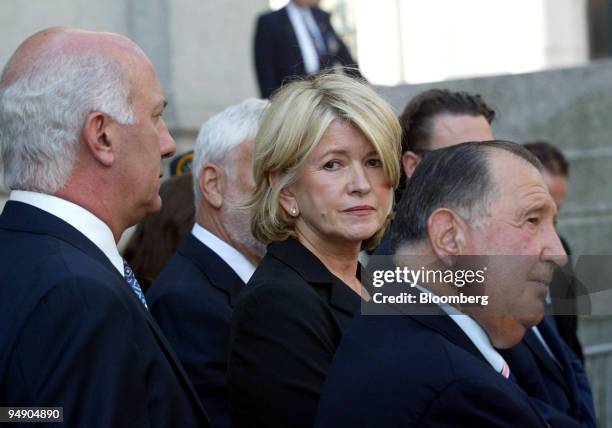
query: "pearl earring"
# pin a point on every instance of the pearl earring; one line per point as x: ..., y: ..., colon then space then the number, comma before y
x: 294, y: 211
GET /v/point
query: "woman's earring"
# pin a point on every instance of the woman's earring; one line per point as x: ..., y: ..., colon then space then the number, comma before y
x: 294, y: 211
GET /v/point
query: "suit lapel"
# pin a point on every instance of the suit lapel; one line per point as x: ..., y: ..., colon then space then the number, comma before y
x: 174, y: 361
x: 556, y: 346
x: 292, y: 41
x: 344, y: 298
x: 446, y: 327
x: 286, y: 27
x: 536, y: 347
x: 219, y: 273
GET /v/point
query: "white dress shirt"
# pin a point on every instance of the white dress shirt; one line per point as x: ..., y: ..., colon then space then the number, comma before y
x: 300, y: 17
x: 78, y: 217
x: 475, y: 332
x: 234, y: 258
x: 544, y: 344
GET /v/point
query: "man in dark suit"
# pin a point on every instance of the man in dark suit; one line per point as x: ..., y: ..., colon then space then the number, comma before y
x: 194, y: 296
x: 468, y: 206
x: 82, y: 139
x: 297, y: 40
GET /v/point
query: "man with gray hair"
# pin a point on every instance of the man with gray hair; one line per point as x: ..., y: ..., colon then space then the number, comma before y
x: 82, y: 138
x: 194, y: 296
x: 478, y: 207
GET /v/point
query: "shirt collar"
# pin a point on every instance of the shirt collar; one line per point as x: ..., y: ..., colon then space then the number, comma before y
x: 78, y: 217
x: 474, y: 332
x: 302, y: 260
x: 234, y: 258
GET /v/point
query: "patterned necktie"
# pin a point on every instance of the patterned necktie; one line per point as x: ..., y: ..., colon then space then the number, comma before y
x: 133, y: 283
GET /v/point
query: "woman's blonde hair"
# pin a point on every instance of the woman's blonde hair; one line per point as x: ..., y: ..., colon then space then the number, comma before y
x: 292, y: 127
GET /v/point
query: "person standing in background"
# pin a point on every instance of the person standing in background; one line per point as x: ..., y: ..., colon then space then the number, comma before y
x: 297, y: 40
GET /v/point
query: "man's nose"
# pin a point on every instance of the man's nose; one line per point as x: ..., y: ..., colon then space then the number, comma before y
x: 166, y: 144
x: 553, y: 248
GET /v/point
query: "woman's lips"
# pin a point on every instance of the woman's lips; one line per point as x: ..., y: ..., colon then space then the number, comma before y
x: 360, y: 210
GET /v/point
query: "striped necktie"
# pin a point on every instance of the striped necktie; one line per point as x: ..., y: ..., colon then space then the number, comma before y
x: 130, y: 278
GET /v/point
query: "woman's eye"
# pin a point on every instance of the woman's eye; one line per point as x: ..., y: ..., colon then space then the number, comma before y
x: 332, y: 165
x: 374, y: 163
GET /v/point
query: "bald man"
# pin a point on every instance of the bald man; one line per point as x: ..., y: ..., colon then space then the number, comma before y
x: 82, y: 138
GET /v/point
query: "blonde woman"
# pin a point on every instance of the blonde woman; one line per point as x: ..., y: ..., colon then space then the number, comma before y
x: 326, y: 162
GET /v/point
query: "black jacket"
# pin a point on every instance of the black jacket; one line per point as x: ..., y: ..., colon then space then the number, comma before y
x: 286, y: 327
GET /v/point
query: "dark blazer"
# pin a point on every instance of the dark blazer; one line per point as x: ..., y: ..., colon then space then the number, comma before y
x: 560, y: 388
x: 417, y: 371
x: 73, y: 334
x: 285, y: 330
x: 277, y: 51
x: 192, y: 300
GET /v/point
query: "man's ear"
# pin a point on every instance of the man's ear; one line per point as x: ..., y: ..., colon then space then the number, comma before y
x: 286, y: 197
x: 410, y: 160
x: 212, y: 184
x: 447, y: 234
x: 98, y: 137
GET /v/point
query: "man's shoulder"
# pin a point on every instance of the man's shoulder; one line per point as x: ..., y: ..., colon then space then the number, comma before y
x: 320, y: 14
x: 45, y: 257
x: 405, y: 343
x: 35, y: 266
x: 192, y: 270
x: 273, y: 16
x: 181, y: 275
x: 407, y: 371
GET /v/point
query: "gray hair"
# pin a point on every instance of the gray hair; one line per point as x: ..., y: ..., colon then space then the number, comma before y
x: 43, y: 111
x: 456, y: 177
x: 221, y: 134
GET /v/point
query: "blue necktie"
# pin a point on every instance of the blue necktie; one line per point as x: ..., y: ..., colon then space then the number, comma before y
x: 133, y: 283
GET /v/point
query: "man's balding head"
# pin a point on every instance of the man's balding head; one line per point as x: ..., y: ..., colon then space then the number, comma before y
x: 71, y: 101
x: 64, y: 41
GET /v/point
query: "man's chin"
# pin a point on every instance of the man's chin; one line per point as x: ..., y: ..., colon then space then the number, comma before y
x: 505, y: 331
x: 155, y: 206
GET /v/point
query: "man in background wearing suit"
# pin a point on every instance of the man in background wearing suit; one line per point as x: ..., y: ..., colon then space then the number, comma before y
x: 476, y: 200
x: 297, y: 40
x: 194, y: 296
x: 82, y: 138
